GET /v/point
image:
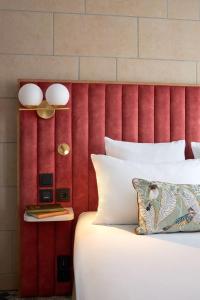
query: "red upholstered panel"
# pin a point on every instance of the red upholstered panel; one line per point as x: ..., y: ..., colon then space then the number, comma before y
x: 46, y: 234
x: 192, y: 116
x: 63, y: 179
x: 28, y: 195
x: 113, y: 111
x: 80, y: 147
x: 162, y: 114
x: 63, y: 246
x: 177, y: 113
x: 130, y: 112
x: 46, y: 257
x: 146, y: 114
x: 96, y: 112
x: 42, y: 243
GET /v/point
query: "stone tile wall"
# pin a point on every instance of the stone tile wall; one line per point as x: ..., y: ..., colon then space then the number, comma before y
x: 117, y: 40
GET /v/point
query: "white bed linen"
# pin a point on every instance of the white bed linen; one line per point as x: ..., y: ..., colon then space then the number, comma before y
x: 113, y: 263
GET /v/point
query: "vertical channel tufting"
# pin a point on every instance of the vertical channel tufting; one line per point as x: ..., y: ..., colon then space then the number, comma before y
x: 122, y: 111
x: 192, y: 117
x: 146, y: 113
x: 113, y: 111
x: 177, y: 113
x: 63, y: 179
x: 130, y: 113
x: 96, y: 112
x: 46, y: 232
x: 162, y: 114
x: 80, y: 146
x: 63, y: 164
x: 28, y: 195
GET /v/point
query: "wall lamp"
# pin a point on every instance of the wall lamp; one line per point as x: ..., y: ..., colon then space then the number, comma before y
x: 56, y: 97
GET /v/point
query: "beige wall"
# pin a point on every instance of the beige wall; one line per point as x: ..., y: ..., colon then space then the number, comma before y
x: 127, y: 40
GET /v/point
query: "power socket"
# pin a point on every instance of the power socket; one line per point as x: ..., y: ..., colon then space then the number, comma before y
x: 64, y: 269
x: 63, y: 195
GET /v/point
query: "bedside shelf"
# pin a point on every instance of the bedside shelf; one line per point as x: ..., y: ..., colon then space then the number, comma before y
x: 62, y: 218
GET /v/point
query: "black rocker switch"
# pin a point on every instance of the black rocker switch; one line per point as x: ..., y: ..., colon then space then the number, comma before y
x: 62, y: 195
x: 64, y: 269
x: 46, y: 195
x: 46, y: 179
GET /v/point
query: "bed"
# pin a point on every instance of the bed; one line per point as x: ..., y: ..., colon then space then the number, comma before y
x: 113, y: 263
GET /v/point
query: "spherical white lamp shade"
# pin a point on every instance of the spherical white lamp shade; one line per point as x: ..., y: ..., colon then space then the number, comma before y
x: 57, y: 94
x: 30, y: 94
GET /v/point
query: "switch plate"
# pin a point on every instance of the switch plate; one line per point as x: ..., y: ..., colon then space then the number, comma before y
x: 46, y: 195
x: 46, y: 179
x: 63, y: 195
x: 64, y: 268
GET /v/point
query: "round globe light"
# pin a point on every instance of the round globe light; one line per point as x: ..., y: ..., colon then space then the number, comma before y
x: 57, y: 94
x: 30, y: 94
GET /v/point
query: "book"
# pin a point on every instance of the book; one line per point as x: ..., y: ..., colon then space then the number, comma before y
x: 42, y: 215
x: 45, y: 208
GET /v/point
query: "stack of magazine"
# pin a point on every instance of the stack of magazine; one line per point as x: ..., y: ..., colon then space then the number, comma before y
x: 46, y: 210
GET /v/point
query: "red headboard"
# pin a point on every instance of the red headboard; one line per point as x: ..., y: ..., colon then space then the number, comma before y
x: 130, y: 112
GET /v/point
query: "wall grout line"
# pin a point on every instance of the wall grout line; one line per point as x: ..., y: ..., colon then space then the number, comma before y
x: 116, y: 66
x: 3, y: 229
x: 85, y: 6
x: 8, y: 142
x: 53, y: 34
x: 79, y: 62
x: 8, y: 186
x: 96, y: 56
x: 167, y: 6
x: 8, y: 274
x: 100, y: 14
x: 2, y: 98
x: 138, y: 38
x: 199, y: 9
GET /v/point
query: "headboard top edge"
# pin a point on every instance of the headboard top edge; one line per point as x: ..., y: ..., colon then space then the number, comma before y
x: 109, y: 82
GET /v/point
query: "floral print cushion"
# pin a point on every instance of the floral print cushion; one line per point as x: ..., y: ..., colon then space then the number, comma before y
x: 167, y: 207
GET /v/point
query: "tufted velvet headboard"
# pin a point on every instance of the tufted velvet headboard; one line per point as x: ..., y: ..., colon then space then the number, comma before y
x: 130, y: 112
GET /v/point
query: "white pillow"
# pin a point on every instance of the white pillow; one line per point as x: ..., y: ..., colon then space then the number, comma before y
x: 146, y: 152
x: 196, y: 149
x: 117, y: 198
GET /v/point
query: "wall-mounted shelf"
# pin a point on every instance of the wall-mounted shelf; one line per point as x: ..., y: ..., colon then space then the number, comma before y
x: 62, y: 218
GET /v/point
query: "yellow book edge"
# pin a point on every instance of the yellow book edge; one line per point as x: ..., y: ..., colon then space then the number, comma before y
x: 43, y: 215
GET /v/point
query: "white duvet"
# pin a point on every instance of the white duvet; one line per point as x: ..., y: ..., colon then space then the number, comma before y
x: 113, y: 263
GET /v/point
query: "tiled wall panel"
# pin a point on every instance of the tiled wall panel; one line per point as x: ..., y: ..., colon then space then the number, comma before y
x: 169, y: 39
x: 95, y: 35
x: 69, y: 6
x: 144, y: 8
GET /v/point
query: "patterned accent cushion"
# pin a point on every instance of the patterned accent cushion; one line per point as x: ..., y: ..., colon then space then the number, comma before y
x: 167, y: 207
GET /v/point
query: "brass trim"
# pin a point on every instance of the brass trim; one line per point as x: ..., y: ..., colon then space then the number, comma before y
x: 110, y: 82
x: 40, y: 108
x: 45, y: 111
x: 63, y: 149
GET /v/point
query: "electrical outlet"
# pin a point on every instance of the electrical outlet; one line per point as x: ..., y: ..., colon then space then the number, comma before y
x: 64, y: 269
x: 62, y: 195
x: 46, y: 195
x: 46, y: 179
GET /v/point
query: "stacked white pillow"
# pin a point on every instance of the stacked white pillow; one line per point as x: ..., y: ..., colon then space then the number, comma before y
x: 196, y: 149
x: 125, y: 161
x: 146, y: 152
x: 117, y: 198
